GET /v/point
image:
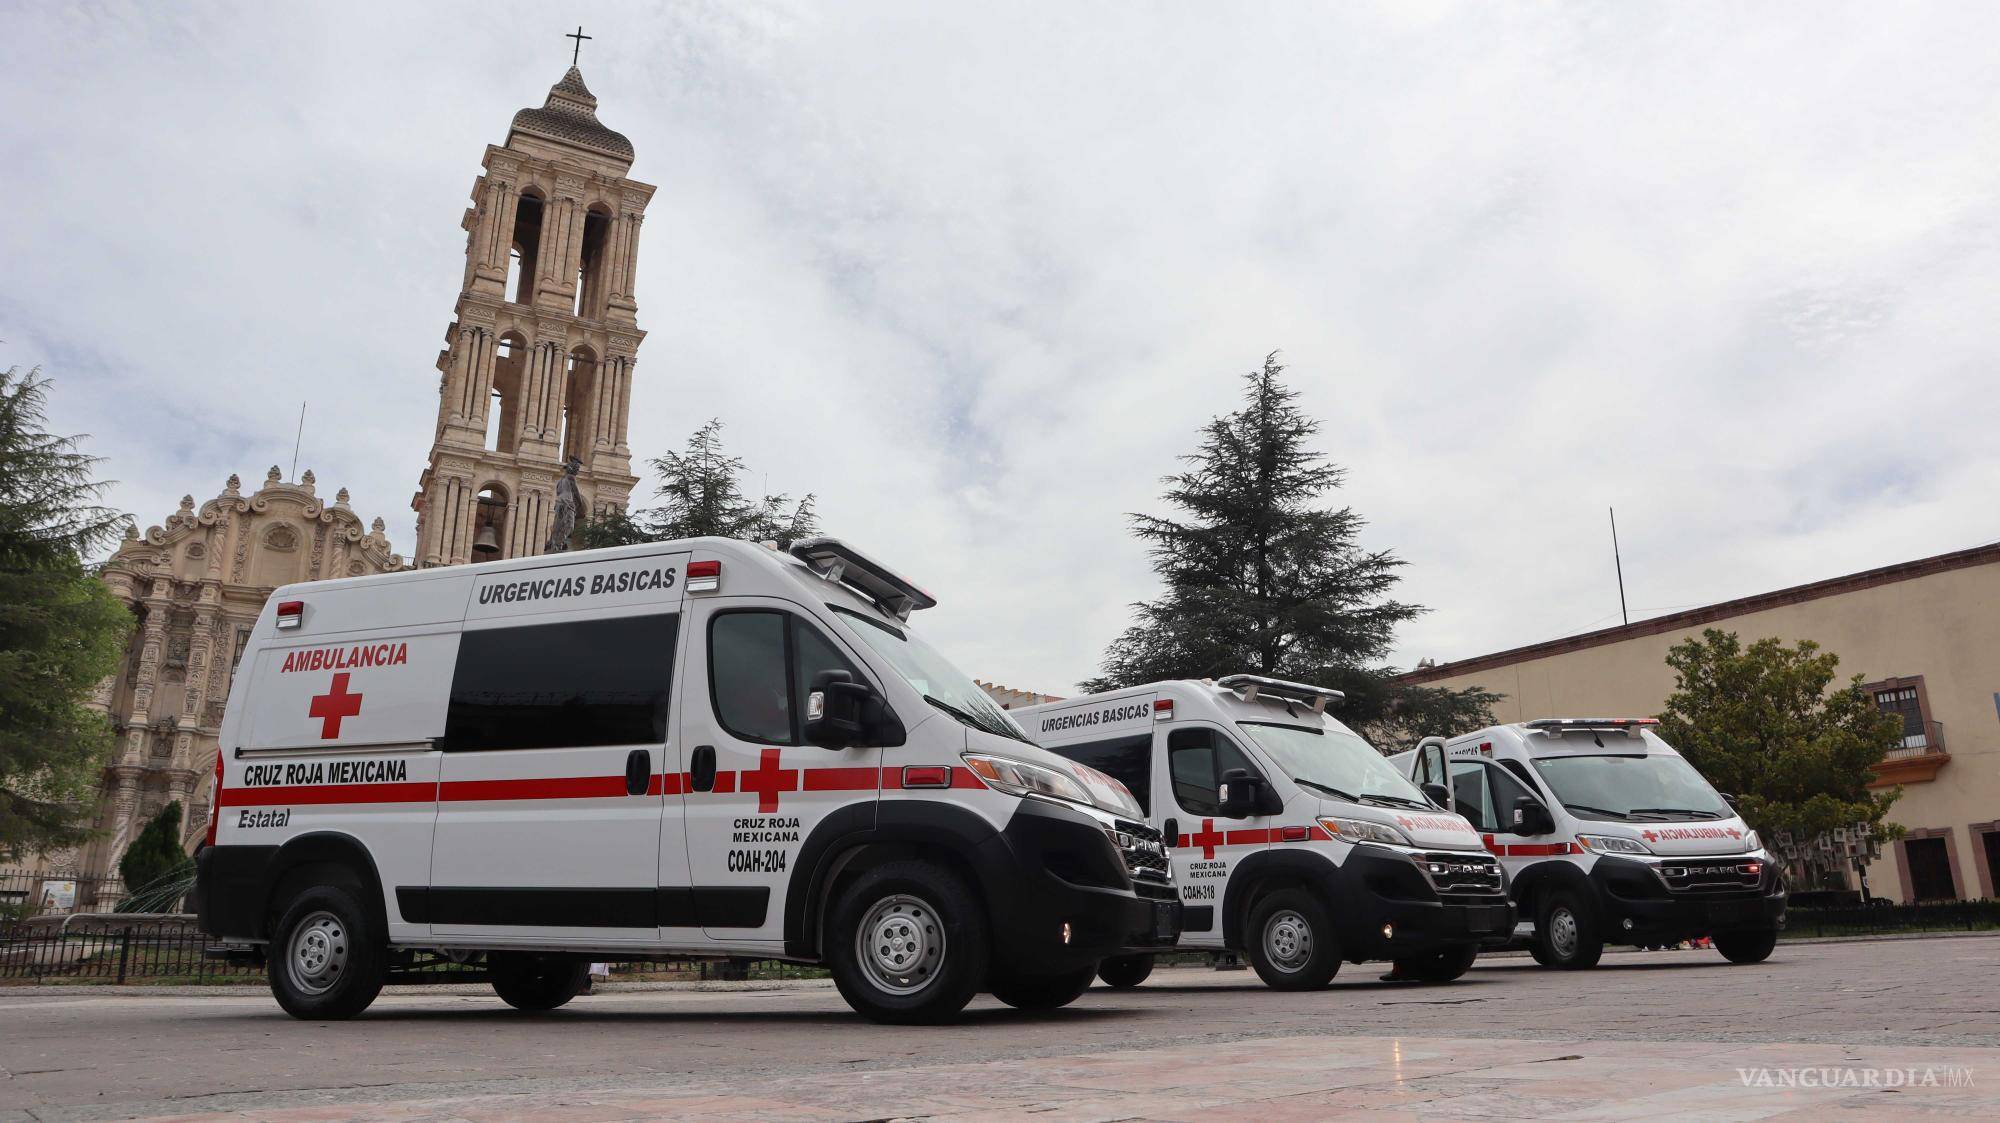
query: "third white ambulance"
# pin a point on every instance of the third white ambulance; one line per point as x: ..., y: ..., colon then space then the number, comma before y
x: 703, y: 747
x: 1609, y: 836
x: 1293, y: 839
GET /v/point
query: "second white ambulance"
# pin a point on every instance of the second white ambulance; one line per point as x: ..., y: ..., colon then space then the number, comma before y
x: 703, y: 747
x: 1609, y: 836
x: 1294, y: 841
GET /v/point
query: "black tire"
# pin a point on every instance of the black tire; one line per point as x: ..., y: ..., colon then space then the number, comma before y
x: 1292, y: 943
x: 1439, y: 966
x: 1125, y: 971
x: 1041, y: 992
x: 1566, y: 932
x: 536, y: 982
x: 927, y: 979
x: 1753, y: 946
x: 326, y: 961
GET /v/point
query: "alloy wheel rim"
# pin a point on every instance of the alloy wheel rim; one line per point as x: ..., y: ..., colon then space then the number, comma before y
x: 1288, y: 940
x: 317, y: 953
x: 901, y: 944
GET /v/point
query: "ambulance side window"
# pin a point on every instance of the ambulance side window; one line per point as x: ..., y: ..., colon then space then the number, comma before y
x: 746, y: 675
x: 760, y: 669
x: 569, y: 685
x: 1196, y: 760
x: 1469, y: 790
x: 1129, y: 760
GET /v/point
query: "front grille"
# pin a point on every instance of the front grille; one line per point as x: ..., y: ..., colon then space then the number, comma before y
x: 1460, y: 872
x: 1710, y: 875
x: 1143, y: 849
x: 1153, y: 887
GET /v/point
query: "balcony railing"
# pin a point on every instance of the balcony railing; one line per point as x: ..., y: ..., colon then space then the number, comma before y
x: 1926, y: 743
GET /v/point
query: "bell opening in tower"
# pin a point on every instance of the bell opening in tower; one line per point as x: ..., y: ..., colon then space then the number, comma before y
x: 527, y: 244
x: 489, y: 524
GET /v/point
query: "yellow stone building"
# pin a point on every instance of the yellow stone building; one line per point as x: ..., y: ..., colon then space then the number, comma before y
x: 1925, y: 634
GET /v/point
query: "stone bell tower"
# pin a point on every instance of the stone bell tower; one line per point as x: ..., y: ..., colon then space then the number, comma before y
x: 538, y: 364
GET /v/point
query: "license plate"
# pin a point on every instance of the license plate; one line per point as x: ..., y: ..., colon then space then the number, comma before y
x: 1163, y: 920
x: 1486, y: 918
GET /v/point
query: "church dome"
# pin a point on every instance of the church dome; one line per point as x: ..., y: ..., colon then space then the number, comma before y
x: 570, y: 117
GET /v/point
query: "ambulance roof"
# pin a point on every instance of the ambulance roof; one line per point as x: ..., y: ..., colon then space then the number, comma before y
x: 1174, y: 699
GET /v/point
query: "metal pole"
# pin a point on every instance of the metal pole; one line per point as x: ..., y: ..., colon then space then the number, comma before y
x: 1615, y: 560
x: 297, y: 439
x: 124, y: 951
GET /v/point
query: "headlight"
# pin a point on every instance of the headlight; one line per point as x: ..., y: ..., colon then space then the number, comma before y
x: 1018, y: 777
x: 1611, y: 844
x: 1108, y: 792
x: 1751, y: 842
x: 1361, y: 830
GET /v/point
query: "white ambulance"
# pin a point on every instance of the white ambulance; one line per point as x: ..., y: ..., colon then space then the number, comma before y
x: 1293, y: 839
x: 1608, y: 836
x: 706, y: 748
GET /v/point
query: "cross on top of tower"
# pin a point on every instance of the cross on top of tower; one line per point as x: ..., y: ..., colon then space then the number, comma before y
x: 579, y: 37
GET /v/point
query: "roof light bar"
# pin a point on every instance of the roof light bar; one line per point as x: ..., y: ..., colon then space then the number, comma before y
x: 838, y: 562
x: 1560, y: 725
x: 1250, y: 686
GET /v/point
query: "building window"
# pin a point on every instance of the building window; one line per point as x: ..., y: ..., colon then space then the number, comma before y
x: 1905, y: 698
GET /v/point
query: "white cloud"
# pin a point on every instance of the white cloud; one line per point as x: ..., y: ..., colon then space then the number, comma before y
x: 976, y: 276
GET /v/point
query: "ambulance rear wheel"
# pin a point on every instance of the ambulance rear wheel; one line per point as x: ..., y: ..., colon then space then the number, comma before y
x: 1439, y: 966
x: 326, y: 961
x: 1041, y: 992
x: 908, y: 944
x: 1746, y: 947
x: 1566, y: 932
x: 536, y: 982
x: 1124, y: 971
x: 1291, y: 939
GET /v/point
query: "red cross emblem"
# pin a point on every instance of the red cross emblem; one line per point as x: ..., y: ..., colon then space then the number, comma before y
x: 1649, y: 836
x: 1208, y: 838
x: 1733, y: 832
x: 335, y: 704
x: 768, y: 780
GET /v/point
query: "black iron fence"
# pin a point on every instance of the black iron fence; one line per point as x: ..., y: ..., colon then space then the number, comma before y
x: 1878, y: 920
x: 121, y: 948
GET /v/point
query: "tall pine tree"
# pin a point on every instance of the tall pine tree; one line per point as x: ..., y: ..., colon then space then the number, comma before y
x: 1262, y: 577
x: 703, y: 497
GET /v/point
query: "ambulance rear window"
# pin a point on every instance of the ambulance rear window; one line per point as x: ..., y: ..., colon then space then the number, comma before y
x: 544, y: 686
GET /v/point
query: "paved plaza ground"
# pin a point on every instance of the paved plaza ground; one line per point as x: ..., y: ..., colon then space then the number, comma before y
x: 1647, y: 1035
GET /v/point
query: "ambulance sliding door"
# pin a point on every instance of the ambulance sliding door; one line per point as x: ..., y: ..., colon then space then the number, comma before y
x: 555, y: 748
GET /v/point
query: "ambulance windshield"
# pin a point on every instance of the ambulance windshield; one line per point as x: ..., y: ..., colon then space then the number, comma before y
x: 1331, y: 759
x: 933, y: 676
x: 1648, y: 787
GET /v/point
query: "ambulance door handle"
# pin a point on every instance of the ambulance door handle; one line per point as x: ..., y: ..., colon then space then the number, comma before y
x: 701, y: 768
x: 638, y: 771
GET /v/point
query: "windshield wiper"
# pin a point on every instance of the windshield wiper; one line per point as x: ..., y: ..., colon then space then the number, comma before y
x: 1395, y: 800
x: 971, y: 719
x: 1675, y: 811
x: 1589, y: 810
x: 1332, y: 791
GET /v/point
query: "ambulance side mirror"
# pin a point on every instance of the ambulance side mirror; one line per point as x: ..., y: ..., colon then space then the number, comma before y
x: 1243, y: 793
x: 843, y: 714
x: 1439, y: 795
x: 1531, y: 818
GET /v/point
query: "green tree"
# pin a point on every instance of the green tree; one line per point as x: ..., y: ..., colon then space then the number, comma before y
x: 1770, y: 724
x: 61, y: 631
x: 156, y: 853
x: 704, y: 497
x: 1262, y: 576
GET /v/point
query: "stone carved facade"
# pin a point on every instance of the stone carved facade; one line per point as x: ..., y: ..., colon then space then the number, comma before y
x: 196, y: 584
x: 538, y: 363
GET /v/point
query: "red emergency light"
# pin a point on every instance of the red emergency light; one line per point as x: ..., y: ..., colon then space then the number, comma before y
x: 704, y: 576
x: 291, y: 613
x: 1163, y: 709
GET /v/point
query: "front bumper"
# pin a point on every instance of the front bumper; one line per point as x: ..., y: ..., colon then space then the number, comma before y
x: 1384, y: 908
x: 1637, y: 907
x: 1062, y: 896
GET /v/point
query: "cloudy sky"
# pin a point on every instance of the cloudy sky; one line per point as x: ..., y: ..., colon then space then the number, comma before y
x: 974, y: 274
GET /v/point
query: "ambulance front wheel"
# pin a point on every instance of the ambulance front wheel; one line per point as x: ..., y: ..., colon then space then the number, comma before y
x: 1746, y: 947
x: 1566, y: 932
x: 1125, y: 971
x: 908, y: 944
x: 1291, y: 939
x: 326, y: 961
x: 536, y: 982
